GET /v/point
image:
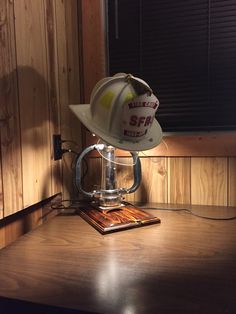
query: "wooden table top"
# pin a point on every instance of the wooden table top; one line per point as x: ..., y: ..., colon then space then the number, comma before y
x: 183, y: 265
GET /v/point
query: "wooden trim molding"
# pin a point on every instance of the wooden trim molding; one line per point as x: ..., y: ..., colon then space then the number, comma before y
x: 205, y: 145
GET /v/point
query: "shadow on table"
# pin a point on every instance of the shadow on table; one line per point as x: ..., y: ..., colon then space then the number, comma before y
x: 10, y: 306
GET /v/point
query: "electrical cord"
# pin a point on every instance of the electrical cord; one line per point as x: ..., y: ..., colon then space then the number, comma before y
x: 69, y: 151
x: 74, y: 205
x: 187, y: 210
x: 70, y: 141
x: 194, y: 214
x: 74, y: 161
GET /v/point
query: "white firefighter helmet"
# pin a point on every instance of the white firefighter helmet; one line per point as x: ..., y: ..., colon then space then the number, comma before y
x: 122, y: 113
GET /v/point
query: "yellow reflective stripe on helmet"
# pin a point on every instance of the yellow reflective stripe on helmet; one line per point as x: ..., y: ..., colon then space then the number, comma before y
x: 130, y: 96
x: 106, y: 100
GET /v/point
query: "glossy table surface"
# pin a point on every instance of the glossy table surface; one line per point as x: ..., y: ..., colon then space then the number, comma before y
x: 183, y: 265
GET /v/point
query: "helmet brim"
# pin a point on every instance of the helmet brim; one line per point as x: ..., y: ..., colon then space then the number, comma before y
x: 82, y: 111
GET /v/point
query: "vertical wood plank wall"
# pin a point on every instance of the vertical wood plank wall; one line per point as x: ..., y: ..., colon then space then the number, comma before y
x: 232, y: 182
x: 177, y: 180
x: 69, y: 82
x: 11, y: 159
x: 93, y: 44
x: 31, y: 52
x: 39, y: 78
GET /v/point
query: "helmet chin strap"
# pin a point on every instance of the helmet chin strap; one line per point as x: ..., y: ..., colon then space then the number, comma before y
x: 139, y: 87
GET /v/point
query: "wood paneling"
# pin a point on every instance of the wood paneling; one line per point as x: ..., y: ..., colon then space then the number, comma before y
x: 71, y: 127
x: 232, y: 182
x: 73, y: 51
x: 39, y: 77
x: 179, y: 176
x: 9, y: 114
x: 33, y: 99
x: 200, y: 181
x: 53, y: 92
x: 60, y: 24
x: 211, y: 145
x: 69, y: 82
x: 214, y: 145
x: 94, y: 44
x: 209, y: 181
x: 153, y: 186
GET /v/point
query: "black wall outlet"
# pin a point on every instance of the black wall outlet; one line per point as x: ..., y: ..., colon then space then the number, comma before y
x: 57, y: 150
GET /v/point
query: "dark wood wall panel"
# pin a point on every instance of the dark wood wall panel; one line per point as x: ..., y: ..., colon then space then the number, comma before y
x: 69, y: 82
x: 39, y: 78
x: 232, y: 182
x: 52, y: 72
x: 33, y: 99
x: 9, y: 114
x: 180, y: 180
x: 94, y: 44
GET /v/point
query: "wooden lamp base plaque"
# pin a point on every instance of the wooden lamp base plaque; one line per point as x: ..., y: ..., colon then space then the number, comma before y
x: 125, y: 217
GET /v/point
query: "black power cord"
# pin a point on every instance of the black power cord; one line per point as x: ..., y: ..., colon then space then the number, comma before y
x: 74, y: 204
x: 186, y: 210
